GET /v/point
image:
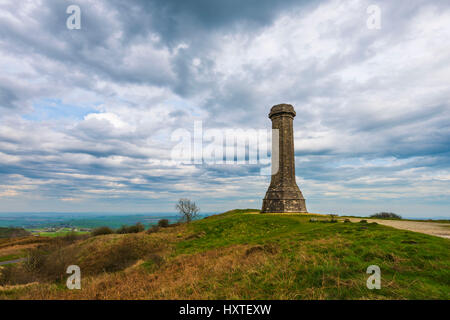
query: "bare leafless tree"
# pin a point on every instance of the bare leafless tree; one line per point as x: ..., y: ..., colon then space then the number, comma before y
x: 187, y: 209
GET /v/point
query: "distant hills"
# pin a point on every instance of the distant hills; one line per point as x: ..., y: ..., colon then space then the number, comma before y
x: 82, y: 220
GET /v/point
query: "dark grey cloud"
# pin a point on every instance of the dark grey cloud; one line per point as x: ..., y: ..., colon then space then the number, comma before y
x: 176, y: 20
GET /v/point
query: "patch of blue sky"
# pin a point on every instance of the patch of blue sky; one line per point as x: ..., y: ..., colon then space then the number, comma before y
x: 54, y: 109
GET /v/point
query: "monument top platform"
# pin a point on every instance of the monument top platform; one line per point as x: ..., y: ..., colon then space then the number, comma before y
x: 282, y: 108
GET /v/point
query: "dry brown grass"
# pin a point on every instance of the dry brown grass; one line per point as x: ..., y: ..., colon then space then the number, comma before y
x: 5, y: 243
x: 308, y: 261
x: 197, y: 276
x: 108, y: 253
x: 18, y: 286
x: 17, y: 249
x: 225, y: 273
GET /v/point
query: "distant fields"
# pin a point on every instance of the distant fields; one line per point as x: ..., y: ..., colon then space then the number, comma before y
x: 62, y: 225
x: 39, y: 221
x: 59, y: 233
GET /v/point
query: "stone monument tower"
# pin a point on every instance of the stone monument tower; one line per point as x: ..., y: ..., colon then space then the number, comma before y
x: 283, y: 194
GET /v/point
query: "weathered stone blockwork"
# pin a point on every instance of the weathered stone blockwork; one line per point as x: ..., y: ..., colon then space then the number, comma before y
x: 283, y: 194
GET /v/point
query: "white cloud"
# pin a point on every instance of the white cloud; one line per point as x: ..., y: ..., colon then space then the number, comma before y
x: 372, y: 105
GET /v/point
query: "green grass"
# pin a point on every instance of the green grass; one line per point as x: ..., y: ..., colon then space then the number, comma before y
x: 11, y: 257
x: 331, y: 258
x: 60, y: 233
x: 242, y: 255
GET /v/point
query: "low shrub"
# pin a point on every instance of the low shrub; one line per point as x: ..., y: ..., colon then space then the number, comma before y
x: 56, y: 262
x: 34, y: 260
x: 15, y: 274
x: 153, y: 229
x: 49, y: 262
x: 176, y: 224
x: 138, y: 227
x: 41, y: 264
x: 386, y: 215
x: 333, y: 218
x: 13, y: 232
x: 163, y: 223
x: 119, y: 255
x: 101, y: 231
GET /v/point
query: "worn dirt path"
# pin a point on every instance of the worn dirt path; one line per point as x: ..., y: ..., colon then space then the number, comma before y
x: 433, y: 228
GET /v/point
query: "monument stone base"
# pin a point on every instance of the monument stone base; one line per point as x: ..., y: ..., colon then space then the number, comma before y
x: 284, y: 206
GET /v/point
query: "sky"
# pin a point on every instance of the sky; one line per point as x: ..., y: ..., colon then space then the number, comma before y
x: 88, y: 115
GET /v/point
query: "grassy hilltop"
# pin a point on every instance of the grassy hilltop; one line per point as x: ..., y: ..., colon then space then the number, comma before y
x: 240, y: 255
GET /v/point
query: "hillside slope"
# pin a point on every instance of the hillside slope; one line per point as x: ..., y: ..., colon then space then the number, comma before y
x: 240, y: 255
x: 13, y: 232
